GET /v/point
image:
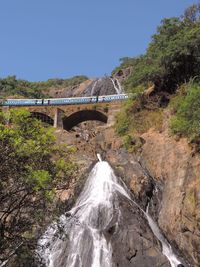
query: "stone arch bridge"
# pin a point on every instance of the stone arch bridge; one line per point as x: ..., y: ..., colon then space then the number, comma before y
x: 68, y: 116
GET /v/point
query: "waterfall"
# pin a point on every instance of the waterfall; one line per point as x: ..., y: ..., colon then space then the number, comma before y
x: 119, y: 86
x: 79, y: 239
x: 93, y: 87
x: 99, y: 157
x: 166, y: 248
x: 116, y: 85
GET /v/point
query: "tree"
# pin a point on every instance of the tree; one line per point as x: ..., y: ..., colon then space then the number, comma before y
x: 172, y: 57
x: 192, y: 13
x: 31, y: 168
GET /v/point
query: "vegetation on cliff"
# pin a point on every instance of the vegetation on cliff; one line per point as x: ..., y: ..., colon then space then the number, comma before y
x: 171, y: 63
x: 11, y: 86
x: 172, y: 57
x: 32, y: 168
x: 186, y: 106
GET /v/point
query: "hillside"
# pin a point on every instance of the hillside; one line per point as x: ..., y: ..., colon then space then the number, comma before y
x: 13, y: 87
x: 166, y: 79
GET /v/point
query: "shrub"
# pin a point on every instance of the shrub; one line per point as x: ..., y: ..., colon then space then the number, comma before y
x: 132, y: 143
x: 186, y: 122
x: 123, y: 121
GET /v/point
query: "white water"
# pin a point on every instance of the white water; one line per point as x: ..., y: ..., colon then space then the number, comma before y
x: 99, y: 157
x: 93, y: 87
x: 82, y: 242
x: 166, y: 248
x: 117, y: 87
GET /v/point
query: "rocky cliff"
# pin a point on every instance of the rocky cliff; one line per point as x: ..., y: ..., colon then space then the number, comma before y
x: 95, y: 86
x: 173, y: 164
x: 165, y: 174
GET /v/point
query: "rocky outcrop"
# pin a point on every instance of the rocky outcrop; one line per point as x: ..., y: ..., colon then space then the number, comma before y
x: 138, y: 246
x: 174, y: 164
x: 122, y: 74
x: 133, y: 243
x: 98, y: 86
x: 165, y: 172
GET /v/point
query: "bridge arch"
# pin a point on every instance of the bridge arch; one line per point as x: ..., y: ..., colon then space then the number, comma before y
x: 42, y: 117
x: 81, y: 116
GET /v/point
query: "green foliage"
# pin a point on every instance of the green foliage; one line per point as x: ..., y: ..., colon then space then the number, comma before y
x: 11, y: 86
x: 132, y: 143
x: 40, y: 179
x: 32, y: 168
x: 134, y: 118
x: 105, y: 109
x: 122, y: 122
x: 127, y: 141
x: 186, y: 122
x: 172, y: 57
x: 137, y: 90
x: 177, y: 98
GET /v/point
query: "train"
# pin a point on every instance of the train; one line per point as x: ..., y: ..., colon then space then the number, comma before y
x: 63, y: 101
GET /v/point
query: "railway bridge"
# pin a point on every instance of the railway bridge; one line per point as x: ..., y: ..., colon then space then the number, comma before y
x: 69, y: 112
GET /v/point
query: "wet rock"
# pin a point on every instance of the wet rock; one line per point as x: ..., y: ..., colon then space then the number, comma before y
x: 174, y: 165
x: 133, y: 243
x: 158, y: 174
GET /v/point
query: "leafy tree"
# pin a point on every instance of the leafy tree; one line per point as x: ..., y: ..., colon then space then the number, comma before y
x: 172, y: 57
x: 32, y: 168
x: 192, y: 13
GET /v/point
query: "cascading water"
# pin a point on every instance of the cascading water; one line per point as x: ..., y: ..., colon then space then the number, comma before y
x: 119, y: 86
x: 166, y: 247
x: 93, y: 87
x: 116, y: 85
x: 79, y: 239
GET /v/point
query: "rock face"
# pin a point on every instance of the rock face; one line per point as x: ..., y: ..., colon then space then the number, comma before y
x: 138, y: 246
x: 133, y: 243
x: 173, y: 163
x: 100, y: 86
x: 165, y: 172
x: 103, y: 214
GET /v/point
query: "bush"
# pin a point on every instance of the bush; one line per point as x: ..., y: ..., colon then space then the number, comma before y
x: 186, y: 122
x: 135, y: 118
x: 132, y: 143
x: 123, y: 121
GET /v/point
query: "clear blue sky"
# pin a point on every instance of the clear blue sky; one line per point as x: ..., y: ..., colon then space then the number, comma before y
x: 42, y: 39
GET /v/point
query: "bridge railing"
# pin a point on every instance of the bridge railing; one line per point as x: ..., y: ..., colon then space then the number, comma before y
x: 63, y: 101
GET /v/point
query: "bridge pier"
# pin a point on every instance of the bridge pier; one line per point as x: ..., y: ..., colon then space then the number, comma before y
x: 58, y: 118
